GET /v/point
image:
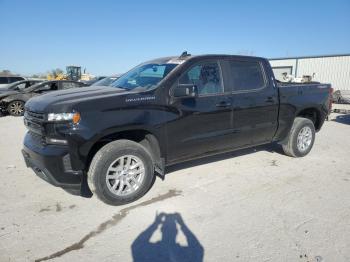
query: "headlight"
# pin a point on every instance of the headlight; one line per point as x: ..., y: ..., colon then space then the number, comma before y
x: 74, y: 117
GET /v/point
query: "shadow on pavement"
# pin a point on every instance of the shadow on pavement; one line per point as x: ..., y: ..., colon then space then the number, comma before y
x: 272, y: 148
x: 167, y: 249
x: 343, y: 119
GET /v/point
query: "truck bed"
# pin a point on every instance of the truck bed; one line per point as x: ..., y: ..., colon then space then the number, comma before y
x: 296, y: 98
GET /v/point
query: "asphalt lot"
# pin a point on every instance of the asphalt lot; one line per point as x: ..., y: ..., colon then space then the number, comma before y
x: 251, y: 205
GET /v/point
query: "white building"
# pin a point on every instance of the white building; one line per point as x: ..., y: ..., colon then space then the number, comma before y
x: 333, y: 69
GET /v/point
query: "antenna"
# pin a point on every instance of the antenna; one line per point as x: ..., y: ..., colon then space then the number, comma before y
x: 184, y: 54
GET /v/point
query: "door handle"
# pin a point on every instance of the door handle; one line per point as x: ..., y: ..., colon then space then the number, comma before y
x: 223, y: 104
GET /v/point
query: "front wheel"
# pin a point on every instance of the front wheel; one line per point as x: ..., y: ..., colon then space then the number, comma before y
x: 16, y: 108
x: 121, y: 172
x: 300, y: 139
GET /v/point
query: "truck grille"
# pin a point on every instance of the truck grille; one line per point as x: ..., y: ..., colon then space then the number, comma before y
x: 35, y: 125
x: 34, y: 116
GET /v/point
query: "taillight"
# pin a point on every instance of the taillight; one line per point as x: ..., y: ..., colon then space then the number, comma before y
x: 330, y: 99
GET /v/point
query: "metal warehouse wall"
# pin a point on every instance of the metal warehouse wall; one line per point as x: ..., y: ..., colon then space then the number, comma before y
x: 284, y: 63
x: 330, y: 69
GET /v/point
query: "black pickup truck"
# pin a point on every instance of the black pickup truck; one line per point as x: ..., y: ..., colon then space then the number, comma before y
x: 116, y: 139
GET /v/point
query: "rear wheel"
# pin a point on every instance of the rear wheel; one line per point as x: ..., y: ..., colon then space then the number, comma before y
x: 16, y: 108
x: 300, y: 139
x: 121, y: 172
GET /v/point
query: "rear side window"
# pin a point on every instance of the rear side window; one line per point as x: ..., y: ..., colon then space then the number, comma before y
x: 15, y: 79
x: 3, y: 80
x: 246, y: 75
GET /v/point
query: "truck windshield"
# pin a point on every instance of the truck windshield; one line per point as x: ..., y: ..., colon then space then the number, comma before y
x: 144, y: 76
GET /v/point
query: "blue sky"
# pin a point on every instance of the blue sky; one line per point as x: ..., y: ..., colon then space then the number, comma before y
x: 107, y: 37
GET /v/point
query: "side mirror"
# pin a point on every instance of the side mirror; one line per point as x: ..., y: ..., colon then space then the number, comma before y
x: 185, y: 90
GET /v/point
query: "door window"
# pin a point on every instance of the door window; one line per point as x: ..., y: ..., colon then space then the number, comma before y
x: 53, y: 86
x: 246, y: 75
x: 68, y: 85
x: 20, y: 86
x: 48, y: 87
x: 15, y: 79
x: 31, y: 83
x: 206, y: 77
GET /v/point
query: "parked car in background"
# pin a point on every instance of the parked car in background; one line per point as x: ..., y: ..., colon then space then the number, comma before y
x: 12, y: 101
x: 19, y: 85
x: 106, y: 81
x: 94, y: 80
x: 341, y: 97
x: 5, y: 80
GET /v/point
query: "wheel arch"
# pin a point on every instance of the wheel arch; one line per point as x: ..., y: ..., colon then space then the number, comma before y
x: 6, y: 104
x: 8, y: 100
x: 312, y: 113
x: 142, y: 136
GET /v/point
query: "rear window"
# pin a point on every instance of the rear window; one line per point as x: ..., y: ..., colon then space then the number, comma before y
x: 246, y: 75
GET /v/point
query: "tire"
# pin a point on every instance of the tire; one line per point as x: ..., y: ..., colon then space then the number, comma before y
x: 294, y: 147
x: 107, y: 178
x: 16, y: 108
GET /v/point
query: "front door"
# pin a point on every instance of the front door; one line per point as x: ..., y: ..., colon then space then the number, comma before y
x: 203, y: 123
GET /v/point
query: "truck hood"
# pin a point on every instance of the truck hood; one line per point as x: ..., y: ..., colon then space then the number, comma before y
x: 66, y: 99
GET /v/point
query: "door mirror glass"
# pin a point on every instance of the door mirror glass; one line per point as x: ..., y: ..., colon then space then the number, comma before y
x: 185, y: 90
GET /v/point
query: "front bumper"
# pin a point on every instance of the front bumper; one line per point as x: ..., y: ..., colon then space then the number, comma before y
x: 52, y: 164
x: 3, y: 108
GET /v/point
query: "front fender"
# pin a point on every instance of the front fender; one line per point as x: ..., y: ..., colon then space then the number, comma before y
x: 11, y: 98
x: 118, y: 130
x: 97, y: 126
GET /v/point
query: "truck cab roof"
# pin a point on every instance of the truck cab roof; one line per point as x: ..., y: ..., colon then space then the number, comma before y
x: 181, y: 59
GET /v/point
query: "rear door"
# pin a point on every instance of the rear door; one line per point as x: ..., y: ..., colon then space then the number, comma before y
x: 255, y: 102
x: 203, y: 123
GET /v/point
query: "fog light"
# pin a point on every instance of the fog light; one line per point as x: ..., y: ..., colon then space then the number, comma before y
x: 56, y: 141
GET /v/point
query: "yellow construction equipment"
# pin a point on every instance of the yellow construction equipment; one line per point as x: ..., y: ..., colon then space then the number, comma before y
x: 72, y: 73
